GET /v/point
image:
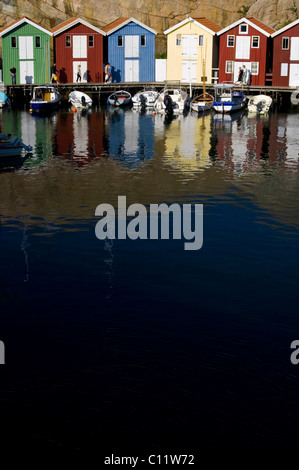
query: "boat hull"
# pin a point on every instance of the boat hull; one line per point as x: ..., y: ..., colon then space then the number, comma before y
x: 228, y: 106
x: 45, y: 106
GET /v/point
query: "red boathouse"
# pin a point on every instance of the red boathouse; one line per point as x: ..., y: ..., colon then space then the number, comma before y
x: 245, y: 42
x: 78, y: 45
x: 286, y: 55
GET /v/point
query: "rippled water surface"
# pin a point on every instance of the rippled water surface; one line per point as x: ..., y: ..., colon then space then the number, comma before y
x: 133, y: 346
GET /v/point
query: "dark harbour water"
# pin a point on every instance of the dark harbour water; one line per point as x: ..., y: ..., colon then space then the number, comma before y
x: 130, y: 347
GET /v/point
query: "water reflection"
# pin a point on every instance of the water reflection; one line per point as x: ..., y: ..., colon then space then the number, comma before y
x: 130, y: 136
x: 240, y: 142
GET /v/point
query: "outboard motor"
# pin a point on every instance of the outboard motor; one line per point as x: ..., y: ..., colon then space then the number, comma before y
x: 187, y: 102
x: 142, y: 100
x: 168, y: 104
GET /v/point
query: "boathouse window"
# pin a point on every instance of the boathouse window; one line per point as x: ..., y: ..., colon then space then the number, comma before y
x: 229, y: 66
x: 37, y: 41
x: 283, y: 70
x: 13, y: 41
x: 178, y: 40
x: 143, y: 40
x: 200, y: 40
x: 255, y: 41
x: 120, y: 41
x: 285, y: 43
x: 90, y: 41
x: 243, y: 28
x: 68, y: 41
x: 230, y: 41
x: 254, y: 68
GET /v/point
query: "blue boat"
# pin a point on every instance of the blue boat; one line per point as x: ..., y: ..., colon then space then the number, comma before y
x: 227, y: 100
x: 45, y: 99
x: 4, y: 100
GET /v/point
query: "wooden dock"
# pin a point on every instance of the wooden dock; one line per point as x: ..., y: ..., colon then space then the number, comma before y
x: 100, y: 91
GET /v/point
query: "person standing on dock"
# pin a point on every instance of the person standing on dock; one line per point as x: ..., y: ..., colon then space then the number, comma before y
x: 13, y: 73
x: 54, y: 73
x: 79, y: 74
x: 109, y: 73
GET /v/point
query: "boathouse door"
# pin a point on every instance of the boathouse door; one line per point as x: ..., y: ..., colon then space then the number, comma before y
x: 189, y: 71
x: 131, y: 70
x: 189, y: 45
x: 242, y: 47
x: 294, y: 75
x: 131, y: 46
x: 83, y: 64
x: 26, y: 71
x: 240, y: 64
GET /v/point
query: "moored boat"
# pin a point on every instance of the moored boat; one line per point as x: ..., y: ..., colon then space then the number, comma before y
x: 171, y: 100
x: 259, y: 104
x: 145, y: 98
x: 45, y: 99
x: 80, y: 100
x: 120, y: 98
x: 12, y: 146
x: 227, y: 100
x: 4, y: 100
x: 202, y: 103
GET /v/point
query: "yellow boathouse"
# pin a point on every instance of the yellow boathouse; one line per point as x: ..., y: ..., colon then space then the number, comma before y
x: 192, y: 47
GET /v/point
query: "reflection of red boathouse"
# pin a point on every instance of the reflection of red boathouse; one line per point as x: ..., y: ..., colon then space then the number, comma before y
x: 80, y: 136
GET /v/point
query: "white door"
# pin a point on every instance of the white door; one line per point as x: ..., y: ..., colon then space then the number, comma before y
x: 79, y: 47
x: 83, y: 64
x: 294, y: 75
x: 243, y: 47
x: 26, y: 47
x: 131, y: 46
x: 294, y: 55
x: 236, y: 68
x: 131, y: 70
x: 189, y: 71
x: 190, y: 45
x: 26, y: 71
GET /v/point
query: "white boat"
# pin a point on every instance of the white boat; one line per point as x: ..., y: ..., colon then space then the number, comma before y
x: 227, y: 100
x: 45, y: 99
x: 80, y: 100
x: 171, y: 100
x: 4, y: 100
x: 259, y: 104
x: 12, y: 146
x: 120, y: 98
x: 145, y: 98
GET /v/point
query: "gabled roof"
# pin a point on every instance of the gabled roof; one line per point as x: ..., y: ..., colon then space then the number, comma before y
x: 202, y: 22
x: 72, y: 22
x: 122, y: 21
x: 261, y: 27
x: 285, y: 28
x: 19, y: 22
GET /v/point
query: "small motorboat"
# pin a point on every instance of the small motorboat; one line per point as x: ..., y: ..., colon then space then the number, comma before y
x: 259, y: 104
x: 171, y: 100
x: 80, y: 100
x: 45, y: 99
x: 4, y: 100
x: 120, y: 98
x: 12, y: 146
x: 202, y: 103
x: 145, y: 98
x: 227, y: 100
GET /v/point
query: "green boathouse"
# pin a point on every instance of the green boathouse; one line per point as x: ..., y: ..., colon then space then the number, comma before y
x: 26, y: 46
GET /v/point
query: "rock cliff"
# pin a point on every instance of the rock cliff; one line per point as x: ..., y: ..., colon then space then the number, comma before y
x: 155, y: 13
